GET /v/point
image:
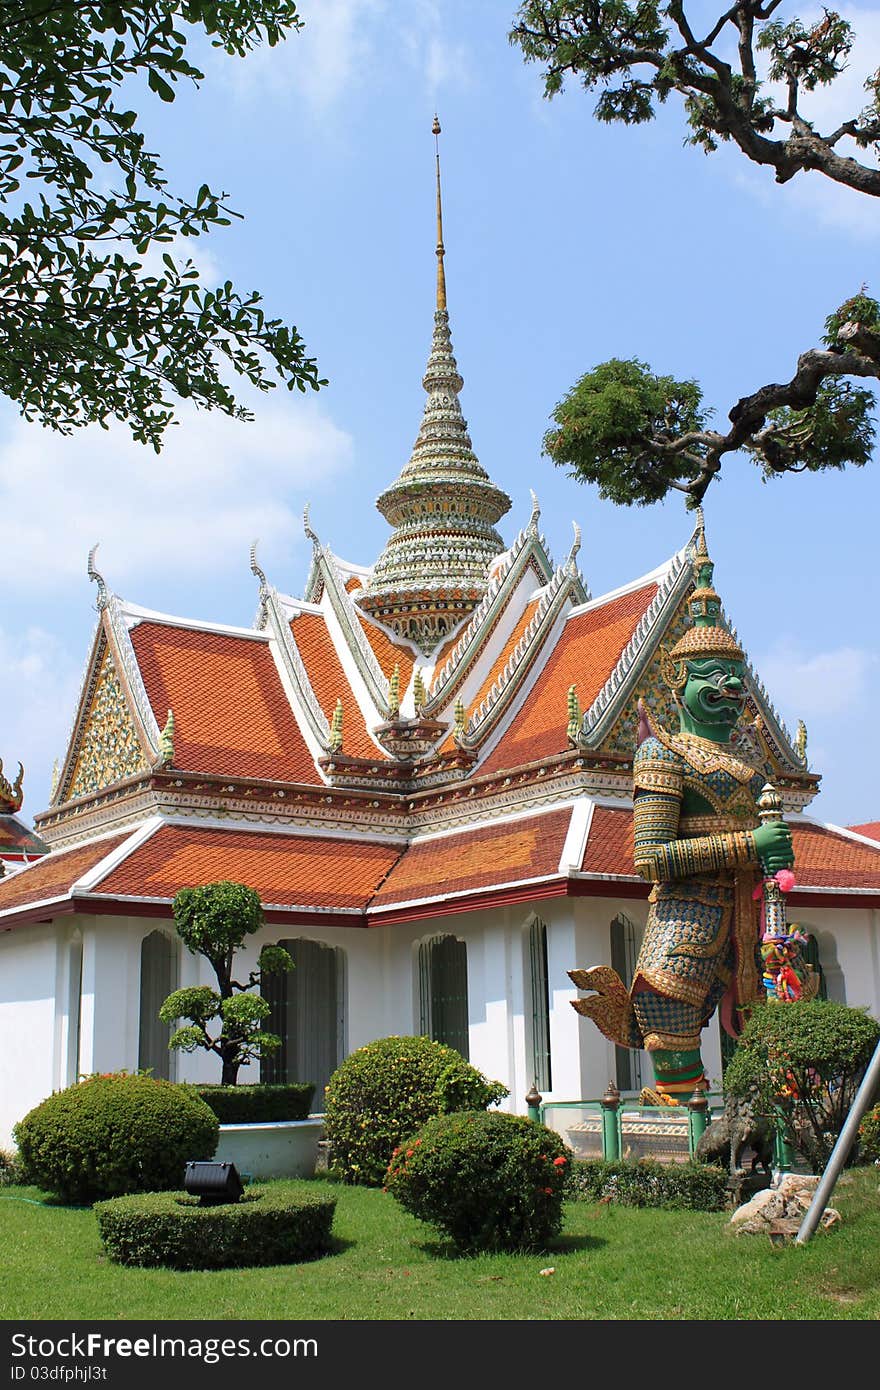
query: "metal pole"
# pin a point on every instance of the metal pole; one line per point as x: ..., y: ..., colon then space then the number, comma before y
x: 840, y: 1152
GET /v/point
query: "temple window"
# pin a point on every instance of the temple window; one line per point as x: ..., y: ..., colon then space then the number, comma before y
x: 308, y: 1014
x: 74, y: 1009
x: 159, y: 977
x: 537, y: 1007
x: 443, y: 992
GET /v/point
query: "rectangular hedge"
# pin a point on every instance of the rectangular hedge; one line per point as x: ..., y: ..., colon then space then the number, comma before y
x: 259, y: 1104
x: 280, y: 1223
x: 647, y: 1183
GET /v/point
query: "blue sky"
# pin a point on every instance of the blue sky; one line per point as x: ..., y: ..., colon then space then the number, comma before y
x: 567, y: 243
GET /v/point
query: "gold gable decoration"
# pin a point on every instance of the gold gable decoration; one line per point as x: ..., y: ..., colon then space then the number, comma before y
x: 109, y: 748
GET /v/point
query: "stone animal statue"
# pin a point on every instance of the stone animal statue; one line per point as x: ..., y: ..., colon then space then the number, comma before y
x: 736, y: 1130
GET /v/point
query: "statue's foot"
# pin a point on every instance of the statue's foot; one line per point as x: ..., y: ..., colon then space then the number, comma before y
x: 610, y: 1008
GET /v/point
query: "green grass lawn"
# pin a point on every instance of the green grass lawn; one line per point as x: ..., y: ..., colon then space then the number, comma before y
x: 610, y: 1262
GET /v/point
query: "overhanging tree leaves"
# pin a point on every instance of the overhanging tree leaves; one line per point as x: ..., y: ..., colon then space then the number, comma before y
x: 89, y: 332
x: 637, y: 435
x: 637, y: 54
x: 640, y: 436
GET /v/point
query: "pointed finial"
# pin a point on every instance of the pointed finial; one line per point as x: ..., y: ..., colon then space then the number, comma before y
x: 441, y: 250
x: 166, y: 745
x: 536, y: 514
x: 255, y: 568
x: 460, y: 719
x: 574, y: 715
x: 56, y: 774
x: 800, y: 742
x: 103, y: 592
x: 571, y: 563
x: 11, y: 794
x: 419, y: 695
x: 394, y: 693
x: 334, y: 743
x: 308, y: 528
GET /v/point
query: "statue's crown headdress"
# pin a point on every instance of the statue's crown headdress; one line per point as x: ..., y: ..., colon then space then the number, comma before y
x: 706, y: 637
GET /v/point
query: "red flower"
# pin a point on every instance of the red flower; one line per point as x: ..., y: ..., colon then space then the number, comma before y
x: 410, y: 1152
x: 559, y: 1162
x: 549, y: 1191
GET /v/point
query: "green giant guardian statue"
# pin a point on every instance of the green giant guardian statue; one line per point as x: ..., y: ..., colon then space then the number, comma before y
x: 700, y: 842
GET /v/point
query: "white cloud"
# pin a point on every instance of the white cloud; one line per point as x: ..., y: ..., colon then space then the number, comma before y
x: 819, y: 684
x: 343, y: 46
x: 39, y: 683
x: 217, y: 480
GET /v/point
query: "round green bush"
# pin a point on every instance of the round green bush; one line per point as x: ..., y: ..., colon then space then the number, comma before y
x: 869, y: 1136
x: 386, y: 1090
x: 112, y: 1134
x: 803, y: 1062
x: 273, y: 1225
x: 488, y: 1181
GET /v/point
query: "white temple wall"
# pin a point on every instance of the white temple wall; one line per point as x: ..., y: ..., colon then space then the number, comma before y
x: 28, y: 965
x: 849, y: 950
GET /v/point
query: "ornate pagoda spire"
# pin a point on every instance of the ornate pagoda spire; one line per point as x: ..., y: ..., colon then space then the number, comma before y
x: 443, y: 507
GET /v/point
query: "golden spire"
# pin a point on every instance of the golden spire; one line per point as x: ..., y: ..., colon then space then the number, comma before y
x: 441, y: 251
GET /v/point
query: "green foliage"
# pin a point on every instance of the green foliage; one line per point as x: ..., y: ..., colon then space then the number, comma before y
x: 12, y: 1169
x: 260, y: 1104
x: 859, y: 308
x: 636, y: 55
x: 87, y: 331
x: 804, y: 1061
x: 836, y: 430
x: 488, y: 1181
x: 869, y: 1136
x: 272, y: 1225
x: 607, y: 425
x: 213, y: 921
x: 115, y: 1134
x: 386, y: 1090
x: 646, y: 1183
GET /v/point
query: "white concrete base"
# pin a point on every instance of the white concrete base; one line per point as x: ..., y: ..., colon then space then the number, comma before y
x: 280, y: 1149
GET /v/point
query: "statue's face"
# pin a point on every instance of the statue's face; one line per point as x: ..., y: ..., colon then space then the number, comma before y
x: 714, y: 694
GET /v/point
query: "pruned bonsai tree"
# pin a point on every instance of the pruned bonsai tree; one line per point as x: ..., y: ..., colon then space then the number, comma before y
x: 213, y: 921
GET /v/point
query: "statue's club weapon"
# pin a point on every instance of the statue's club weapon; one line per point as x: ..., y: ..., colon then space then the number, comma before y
x: 770, y: 809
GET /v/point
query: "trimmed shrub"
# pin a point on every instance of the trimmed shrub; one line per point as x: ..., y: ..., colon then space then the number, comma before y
x: 12, y: 1170
x: 259, y: 1104
x: 386, y: 1090
x: 647, y: 1183
x: 273, y: 1225
x: 804, y: 1060
x: 112, y: 1134
x: 488, y: 1181
x: 869, y: 1136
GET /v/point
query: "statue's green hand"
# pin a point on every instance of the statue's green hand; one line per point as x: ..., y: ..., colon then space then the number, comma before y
x: 773, y: 843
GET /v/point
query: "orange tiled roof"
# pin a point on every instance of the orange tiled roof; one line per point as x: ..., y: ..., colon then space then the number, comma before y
x: 476, y: 859
x: 500, y: 662
x: 585, y: 654
x: 17, y: 839
x: 871, y: 829
x: 330, y: 683
x: 231, y: 715
x: 610, y: 842
x: 287, y: 870
x: 388, y: 653
x: 54, y: 876
x: 823, y: 859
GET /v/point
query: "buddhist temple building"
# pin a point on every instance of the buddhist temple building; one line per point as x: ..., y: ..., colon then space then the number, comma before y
x: 423, y: 765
